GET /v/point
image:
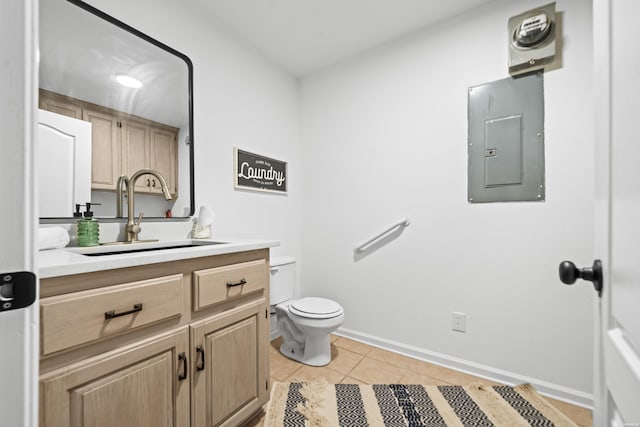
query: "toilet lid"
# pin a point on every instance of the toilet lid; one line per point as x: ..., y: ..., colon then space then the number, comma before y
x: 316, y: 308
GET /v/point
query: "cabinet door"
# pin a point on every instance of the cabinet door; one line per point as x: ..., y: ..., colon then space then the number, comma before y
x: 139, y: 385
x: 136, y: 156
x: 164, y: 159
x: 64, y: 163
x: 59, y: 104
x: 230, y: 357
x: 105, y: 149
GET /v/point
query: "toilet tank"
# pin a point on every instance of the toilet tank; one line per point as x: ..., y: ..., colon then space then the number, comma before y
x: 283, y: 278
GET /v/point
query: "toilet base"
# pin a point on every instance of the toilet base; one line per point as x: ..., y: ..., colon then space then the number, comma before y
x: 315, y: 352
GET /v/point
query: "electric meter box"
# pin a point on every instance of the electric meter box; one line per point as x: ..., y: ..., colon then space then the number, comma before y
x: 532, y: 39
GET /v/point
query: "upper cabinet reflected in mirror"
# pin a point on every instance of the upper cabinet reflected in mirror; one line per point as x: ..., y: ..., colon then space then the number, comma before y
x: 96, y: 128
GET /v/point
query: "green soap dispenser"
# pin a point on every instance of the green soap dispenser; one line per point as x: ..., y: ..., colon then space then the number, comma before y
x: 88, y: 227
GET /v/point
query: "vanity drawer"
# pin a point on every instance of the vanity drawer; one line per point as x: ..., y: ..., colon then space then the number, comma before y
x: 215, y: 285
x: 81, y: 317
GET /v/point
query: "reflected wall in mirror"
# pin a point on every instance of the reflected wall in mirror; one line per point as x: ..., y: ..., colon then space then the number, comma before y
x: 83, y: 55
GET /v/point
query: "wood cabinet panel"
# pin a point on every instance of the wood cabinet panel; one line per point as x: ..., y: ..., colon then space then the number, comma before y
x: 145, y: 388
x: 136, y: 152
x: 230, y: 381
x: 164, y: 152
x: 215, y: 285
x: 159, y: 299
x: 134, y: 386
x: 55, y: 103
x: 241, y: 376
x: 106, y: 149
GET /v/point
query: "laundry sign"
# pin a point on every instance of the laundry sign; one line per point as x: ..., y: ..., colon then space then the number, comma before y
x: 256, y: 172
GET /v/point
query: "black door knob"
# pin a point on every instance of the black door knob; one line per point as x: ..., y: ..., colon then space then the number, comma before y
x: 569, y: 273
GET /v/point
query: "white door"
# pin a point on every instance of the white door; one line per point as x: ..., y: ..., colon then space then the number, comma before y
x: 617, y: 118
x: 18, y: 218
x: 63, y: 156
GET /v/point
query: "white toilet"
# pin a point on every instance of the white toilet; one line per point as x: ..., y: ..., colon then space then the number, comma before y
x: 304, y: 324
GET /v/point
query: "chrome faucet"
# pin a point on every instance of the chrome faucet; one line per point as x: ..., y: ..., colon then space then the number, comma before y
x: 133, y: 228
x: 122, y: 180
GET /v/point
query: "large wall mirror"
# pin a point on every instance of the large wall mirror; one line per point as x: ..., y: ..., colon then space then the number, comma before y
x: 95, y: 126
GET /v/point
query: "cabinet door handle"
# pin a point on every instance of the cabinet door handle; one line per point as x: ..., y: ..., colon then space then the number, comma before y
x: 148, y: 182
x: 185, y: 366
x: 200, y: 351
x: 153, y: 183
x: 112, y: 313
x: 241, y: 282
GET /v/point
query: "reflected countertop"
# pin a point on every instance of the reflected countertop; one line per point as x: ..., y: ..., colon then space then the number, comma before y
x: 67, y: 261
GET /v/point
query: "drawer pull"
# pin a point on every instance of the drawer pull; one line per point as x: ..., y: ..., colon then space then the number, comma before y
x: 200, y: 365
x: 112, y: 314
x: 183, y: 358
x: 241, y: 282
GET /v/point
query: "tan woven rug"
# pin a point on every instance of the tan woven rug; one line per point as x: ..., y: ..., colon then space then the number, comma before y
x: 322, y: 404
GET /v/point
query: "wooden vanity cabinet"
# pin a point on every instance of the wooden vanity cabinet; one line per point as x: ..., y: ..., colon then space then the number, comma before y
x: 181, y: 365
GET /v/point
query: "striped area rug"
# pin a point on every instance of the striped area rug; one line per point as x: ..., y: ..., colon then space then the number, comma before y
x: 318, y: 404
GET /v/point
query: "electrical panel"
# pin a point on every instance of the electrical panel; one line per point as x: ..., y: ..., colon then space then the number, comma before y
x: 506, y: 140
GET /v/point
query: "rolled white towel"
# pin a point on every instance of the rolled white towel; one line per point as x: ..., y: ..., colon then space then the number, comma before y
x: 52, y: 238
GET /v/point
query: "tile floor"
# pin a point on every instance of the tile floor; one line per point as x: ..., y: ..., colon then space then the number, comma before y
x: 357, y: 363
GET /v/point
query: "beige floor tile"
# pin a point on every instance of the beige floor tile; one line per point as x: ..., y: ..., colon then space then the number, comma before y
x: 399, y: 360
x: 373, y: 371
x: 457, y: 378
x: 275, y: 344
x: 351, y: 380
x: 343, y: 360
x: 310, y: 373
x: 445, y: 374
x: 351, y: 345
x: 282, y: 367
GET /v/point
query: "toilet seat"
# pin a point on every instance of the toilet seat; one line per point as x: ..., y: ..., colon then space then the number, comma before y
x: 316, y: 308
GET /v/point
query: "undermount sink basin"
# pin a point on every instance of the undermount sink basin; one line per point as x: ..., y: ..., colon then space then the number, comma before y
x: 117, y: 248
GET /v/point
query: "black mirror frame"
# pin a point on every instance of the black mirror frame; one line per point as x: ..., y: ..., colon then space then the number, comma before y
x: 137, y: 33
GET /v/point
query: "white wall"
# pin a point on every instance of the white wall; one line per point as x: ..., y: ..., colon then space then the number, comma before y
x: 384, y: 136
x: 240, y: 99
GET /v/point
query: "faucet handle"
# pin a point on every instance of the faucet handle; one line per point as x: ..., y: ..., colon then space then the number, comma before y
x: 134, y: 229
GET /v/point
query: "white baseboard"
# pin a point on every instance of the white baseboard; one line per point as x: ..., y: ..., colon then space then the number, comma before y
x: 555, y: 391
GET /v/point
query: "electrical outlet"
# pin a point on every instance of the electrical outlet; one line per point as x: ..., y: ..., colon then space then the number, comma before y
x: 459, y: 321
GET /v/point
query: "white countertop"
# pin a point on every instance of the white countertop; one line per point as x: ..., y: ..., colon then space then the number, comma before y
x: 67, y: 261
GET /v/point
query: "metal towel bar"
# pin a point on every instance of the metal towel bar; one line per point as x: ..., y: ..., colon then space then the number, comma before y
x: 402, y: 222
